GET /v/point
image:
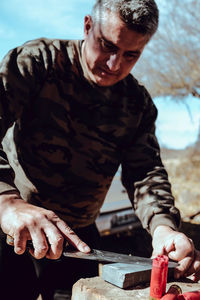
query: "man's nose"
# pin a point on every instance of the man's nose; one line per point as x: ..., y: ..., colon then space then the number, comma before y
x: 114, y: 62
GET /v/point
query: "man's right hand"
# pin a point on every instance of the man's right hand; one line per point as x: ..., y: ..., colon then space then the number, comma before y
x: 24, y: 221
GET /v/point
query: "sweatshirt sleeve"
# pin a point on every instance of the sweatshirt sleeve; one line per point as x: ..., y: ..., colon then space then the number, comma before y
x: 145, y: 177
x: 21, y: 73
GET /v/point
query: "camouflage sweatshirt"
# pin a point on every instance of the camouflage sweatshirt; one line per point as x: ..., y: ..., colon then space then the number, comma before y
x: 72, y: 135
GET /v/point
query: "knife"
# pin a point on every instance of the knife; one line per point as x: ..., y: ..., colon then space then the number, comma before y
x: 101, y: 255
x: 112, y: 257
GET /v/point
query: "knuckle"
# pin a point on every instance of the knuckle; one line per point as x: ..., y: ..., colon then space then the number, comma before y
x: 18, y: 241
x: 51, y: 215
x: 19, y: 228
x: 182, y: 236
x: 185, y: 240
x: 38, y: 216
x: 69, y: 230
x: 79, y: 242
x: 31, y: 223
x: 56, y: 248
x: 57, y: 242
x: 40, y: 251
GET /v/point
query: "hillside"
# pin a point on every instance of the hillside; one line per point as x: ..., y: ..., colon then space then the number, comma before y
x: 183, y: 167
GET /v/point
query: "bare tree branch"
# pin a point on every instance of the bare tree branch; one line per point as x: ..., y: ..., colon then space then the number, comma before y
x: 171, y: 62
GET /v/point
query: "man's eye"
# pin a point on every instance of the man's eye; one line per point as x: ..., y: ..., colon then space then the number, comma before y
x: 131, y: 56
x: 106, y: 46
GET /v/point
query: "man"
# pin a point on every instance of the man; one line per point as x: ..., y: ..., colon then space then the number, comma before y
x: 78, y: 115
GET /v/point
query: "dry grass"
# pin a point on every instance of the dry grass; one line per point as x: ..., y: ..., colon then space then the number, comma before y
x: 184, y: 175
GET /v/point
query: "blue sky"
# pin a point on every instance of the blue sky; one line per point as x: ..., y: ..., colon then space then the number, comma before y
x: 178, y: 122
x: 23, y: 20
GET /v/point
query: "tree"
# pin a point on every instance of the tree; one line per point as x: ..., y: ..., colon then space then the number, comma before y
x: 171, y: 62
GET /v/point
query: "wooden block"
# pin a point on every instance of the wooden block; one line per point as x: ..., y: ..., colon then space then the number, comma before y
x: 97, y: 289
x: 126, y: 275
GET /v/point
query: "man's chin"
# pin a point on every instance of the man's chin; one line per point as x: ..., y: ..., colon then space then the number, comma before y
x: 103, y: 82
x: 103, y: 79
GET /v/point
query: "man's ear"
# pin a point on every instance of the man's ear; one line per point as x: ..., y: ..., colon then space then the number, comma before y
x: 87, y: 25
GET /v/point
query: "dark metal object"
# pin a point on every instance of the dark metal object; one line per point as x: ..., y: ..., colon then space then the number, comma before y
x: 100, y: 255
x: 107, y: 256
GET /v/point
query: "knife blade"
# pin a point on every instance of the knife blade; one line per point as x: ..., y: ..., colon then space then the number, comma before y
x: 108, y: 256
x: 100, y: 255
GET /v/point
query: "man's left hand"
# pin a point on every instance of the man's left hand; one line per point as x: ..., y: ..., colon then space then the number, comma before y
x: 179, y: 248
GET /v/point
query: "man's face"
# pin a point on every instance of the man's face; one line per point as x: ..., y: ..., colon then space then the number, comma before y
x: 110, y: 49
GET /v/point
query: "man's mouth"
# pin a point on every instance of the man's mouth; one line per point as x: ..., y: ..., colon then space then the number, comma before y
x: 107, y: 72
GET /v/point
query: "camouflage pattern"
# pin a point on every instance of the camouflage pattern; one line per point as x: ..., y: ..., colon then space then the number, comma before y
x: 71, y: 136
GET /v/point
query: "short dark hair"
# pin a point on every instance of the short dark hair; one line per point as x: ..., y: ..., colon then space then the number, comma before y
x: 140, y: 15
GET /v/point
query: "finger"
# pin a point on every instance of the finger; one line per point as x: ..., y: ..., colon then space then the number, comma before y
x: 158, y: 250
x: 195, y: 266
x: 183, y: 266
x: 156, y: 253
x: 55, y: 241
x: 40, y: 245
x: 71, y: 236
x: 183, y: 247
x: 195, y: 277
x: 20, y: 240
x: 169, y: 246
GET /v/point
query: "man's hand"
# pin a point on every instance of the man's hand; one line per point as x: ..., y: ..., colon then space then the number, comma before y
x: 24, y: 222
x: 179, y: 248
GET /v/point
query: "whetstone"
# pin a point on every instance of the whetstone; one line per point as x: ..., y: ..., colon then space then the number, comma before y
x: 126, y: 275
x: 129, y: 275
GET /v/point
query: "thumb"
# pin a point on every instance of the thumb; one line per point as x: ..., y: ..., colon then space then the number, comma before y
x: 173, y: 255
